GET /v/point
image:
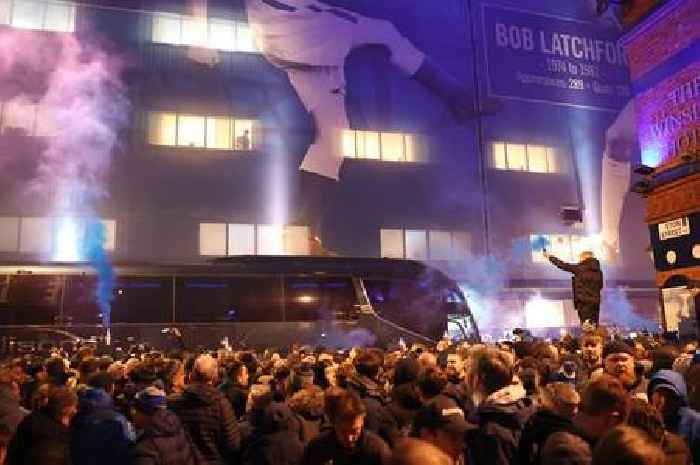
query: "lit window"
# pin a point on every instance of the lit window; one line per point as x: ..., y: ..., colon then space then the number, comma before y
x: 59, y: 17
x: 368, y: 145
x: 41, y: 15
x: 110, y: 230
x: 461, y: 245
x: 568, y: 247
x: 349, y: 145
x: 218, y: 133
x: 241, y: 239
x: 296, y: 240
x: 516, y: 157
x: 243, y: 134
x: 194, y: 32
x: 521, y: 157
x: 536, y: 159
x: 410, y: 149
x: 423, y: 245
x: 250, y: 239
x: 190, y: 131
x: 167, y: 29
x: 45, y: 124
x: 212, y: 239
x: 162, y: 128
x: 217, y: 34
x: 244, y: 38
x: 36, y: 235
x: 211, y: 132
x: 385, y: 146
x: 416, y: 245
x: 9, y: 234
x: 544, y: 313
x: 552, y: 160
x: 440, y: 244
x: 391, y: 243
x: 393, y: 148
x: 499, y: 156
x: 5, y: 8
x: 222, y: 35
x: 18, y: 116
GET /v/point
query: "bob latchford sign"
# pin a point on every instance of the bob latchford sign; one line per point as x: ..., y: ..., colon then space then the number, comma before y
x: 551, y: 59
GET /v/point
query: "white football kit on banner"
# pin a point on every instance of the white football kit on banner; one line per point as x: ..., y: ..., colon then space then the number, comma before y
x: 620, y: 142
x: 310, y: 41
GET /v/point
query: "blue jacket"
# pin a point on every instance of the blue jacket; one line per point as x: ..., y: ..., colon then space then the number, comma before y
x: 688, y: 424
x: 101, y: 435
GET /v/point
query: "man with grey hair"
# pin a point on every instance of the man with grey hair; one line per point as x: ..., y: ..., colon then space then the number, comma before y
x: 207, y: 414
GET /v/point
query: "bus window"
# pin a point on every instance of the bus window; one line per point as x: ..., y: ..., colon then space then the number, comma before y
x: 234, y: 299
x: 142, y: 300
x: 32, y: 300
x: 310, y: 299
x: 414, y: 305
x: 80, y: 303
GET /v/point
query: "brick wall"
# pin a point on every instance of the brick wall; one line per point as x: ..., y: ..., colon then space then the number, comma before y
x: 678, y: 29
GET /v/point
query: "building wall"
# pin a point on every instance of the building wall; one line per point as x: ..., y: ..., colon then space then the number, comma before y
x: 160, y: 195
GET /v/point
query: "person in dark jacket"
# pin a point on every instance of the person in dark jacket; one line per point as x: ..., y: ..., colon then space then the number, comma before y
x: 668, y: 393
x: 559, y: 403
x: 235, y: 388
x: 162, y: 439
x: 366, y: 385
x: 348, y: 442
x: 277, y: 440
x: 587, y: 283
x: 43, y: 437
x: 100, y: 433
x: 207, y: 415
x: 502, y: 409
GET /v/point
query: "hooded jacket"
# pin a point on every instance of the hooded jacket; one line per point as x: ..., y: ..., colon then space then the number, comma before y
x: 100, y: 433
x: 40, y: 440
x: 11, y: 413
x: 587, y: 280
x: 277, y: 440
x: 539, y: 427
x: 685, y: 422
x: 164, y: 442
x: 501, y: 418
x: 379, y: 419
x: 209, y: 419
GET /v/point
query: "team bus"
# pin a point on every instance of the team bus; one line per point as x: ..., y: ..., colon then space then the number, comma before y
x: 258, y: 301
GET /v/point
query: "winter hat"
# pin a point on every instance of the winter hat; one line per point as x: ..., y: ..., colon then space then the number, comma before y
x: 617, y: 347
x: 149, y: 400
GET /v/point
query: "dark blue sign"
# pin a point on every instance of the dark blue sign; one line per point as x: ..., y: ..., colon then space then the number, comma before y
x: 551, y: 59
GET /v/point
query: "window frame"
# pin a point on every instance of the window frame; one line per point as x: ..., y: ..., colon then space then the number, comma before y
x: 44, y: 5
x: 231, y: 131
x: 256, y: 238
x: 358, y: 135
x: 454, y: 241
x: 235, y: 24
x: 550, y: 156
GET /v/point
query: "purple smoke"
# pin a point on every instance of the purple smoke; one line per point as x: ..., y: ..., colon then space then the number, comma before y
x: 77, y: 87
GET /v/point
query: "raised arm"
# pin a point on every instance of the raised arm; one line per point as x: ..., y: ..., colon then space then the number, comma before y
x: 571, y: 268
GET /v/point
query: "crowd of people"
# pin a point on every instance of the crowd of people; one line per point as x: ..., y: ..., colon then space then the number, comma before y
x: 595, y: 399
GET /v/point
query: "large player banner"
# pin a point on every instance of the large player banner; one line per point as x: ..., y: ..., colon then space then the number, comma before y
x: 547, y: 58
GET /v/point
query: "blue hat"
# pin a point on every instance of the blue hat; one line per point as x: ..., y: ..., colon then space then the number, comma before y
x: 150, y: 399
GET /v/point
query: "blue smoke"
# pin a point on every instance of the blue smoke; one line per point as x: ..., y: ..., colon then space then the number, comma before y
x: 617, y: 310
x: 95, y: 236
